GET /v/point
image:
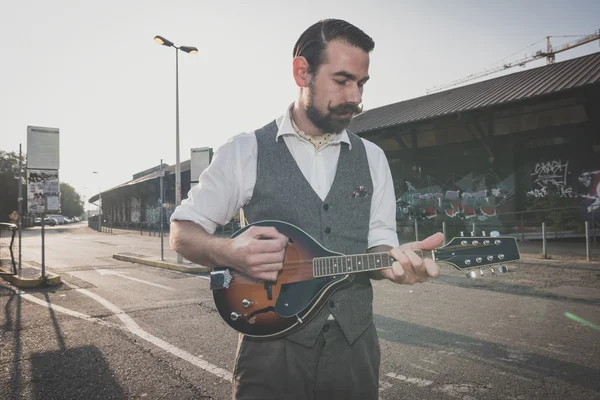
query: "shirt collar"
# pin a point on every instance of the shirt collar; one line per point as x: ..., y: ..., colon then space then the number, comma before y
x: 284, y: 125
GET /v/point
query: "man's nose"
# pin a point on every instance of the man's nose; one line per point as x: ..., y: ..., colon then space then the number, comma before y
x: 354, y: 94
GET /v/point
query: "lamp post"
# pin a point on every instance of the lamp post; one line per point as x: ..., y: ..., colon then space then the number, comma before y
x: 190, y: 50
x: 99, y: 203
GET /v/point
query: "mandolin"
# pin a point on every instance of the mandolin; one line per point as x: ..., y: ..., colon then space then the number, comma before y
x: 311, y: 274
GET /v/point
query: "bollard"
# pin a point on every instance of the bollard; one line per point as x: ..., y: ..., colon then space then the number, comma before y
x: 544, y: 250
x: 522, y: 229
x: 587, y: 241
x: 416, y: 230
x: 444, y: 231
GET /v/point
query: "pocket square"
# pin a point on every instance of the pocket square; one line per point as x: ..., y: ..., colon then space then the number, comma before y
x: 360, y: 191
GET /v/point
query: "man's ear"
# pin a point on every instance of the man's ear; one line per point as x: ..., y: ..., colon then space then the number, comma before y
x: 301, y: 72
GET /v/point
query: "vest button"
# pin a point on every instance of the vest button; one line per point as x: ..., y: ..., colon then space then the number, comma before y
x: 325, y: 328
x: 331, y: 304
x: 328, y: 230
x: 325, y: 206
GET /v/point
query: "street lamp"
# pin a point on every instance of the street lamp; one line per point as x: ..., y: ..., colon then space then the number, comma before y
x: 99, y: 203
x: 191, y: 50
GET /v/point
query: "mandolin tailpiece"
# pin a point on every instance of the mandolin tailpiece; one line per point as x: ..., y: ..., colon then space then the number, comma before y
x: 220, y: 278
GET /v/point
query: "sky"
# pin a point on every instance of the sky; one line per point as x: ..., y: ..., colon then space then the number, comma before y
x: 93, y: 70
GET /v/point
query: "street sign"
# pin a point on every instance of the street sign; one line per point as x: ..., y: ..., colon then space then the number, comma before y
x: 42, y: 148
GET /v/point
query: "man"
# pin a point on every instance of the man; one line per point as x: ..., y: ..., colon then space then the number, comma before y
x: 306, y: 169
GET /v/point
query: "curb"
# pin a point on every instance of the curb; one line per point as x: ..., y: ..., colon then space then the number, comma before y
x: 25, y: 283
x: 161, y: 264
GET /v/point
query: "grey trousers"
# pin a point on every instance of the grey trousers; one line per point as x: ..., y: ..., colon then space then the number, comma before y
x: 331, y: 369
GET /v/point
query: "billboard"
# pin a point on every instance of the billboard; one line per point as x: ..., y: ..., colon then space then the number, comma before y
x: 42, y: 191
x: 42, y: 148
x: 199, y: 161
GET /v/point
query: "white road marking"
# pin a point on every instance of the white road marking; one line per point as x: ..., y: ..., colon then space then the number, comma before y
x: 67, y: 311
x: 134, y: 328
x: 122, y: 275
x: 415, y: 381
x: 424, y: 369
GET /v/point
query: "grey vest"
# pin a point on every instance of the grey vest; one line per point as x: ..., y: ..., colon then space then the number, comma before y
x: 340, y: 223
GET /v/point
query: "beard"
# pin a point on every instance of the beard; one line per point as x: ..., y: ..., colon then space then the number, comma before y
x: 333, y: 121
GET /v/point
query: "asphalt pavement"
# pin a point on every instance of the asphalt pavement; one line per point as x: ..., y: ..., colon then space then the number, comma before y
x: 117, y: 329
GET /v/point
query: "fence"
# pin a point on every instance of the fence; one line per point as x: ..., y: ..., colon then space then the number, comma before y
x: 564, y: 232
x: 7, y: 241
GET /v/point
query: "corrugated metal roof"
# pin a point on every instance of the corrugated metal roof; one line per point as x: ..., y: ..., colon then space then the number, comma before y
x: 535, y: 82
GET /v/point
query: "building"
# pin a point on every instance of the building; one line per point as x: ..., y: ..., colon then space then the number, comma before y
x: 478, y: 153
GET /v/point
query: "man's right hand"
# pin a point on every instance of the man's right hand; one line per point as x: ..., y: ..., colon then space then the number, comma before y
x: 258, y: 252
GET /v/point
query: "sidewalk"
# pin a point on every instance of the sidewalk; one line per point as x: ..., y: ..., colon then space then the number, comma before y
x: 152, y: 255
x: 29, y: 276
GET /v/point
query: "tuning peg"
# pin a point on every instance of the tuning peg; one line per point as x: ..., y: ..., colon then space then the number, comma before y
x: 492, y: 271
x: 481, y: 271
x: 472, y: 233
x: 503, y: 269
x: 482, y: 233
x: 494, y: 233
x: 471, y: 275
x: 462, y: 233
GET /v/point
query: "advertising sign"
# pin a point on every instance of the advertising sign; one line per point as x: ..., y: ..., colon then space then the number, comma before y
x: 42, y: 191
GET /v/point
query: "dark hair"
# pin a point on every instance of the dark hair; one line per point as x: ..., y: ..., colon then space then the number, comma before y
x: 313, y: 41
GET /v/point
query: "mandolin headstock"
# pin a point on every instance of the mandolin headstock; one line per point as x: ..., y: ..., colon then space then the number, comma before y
x: 478, y: 251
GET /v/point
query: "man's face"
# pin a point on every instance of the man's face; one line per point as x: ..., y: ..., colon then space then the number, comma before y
x: 335, y: 92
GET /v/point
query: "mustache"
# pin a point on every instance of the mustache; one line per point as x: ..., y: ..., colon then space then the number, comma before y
x: 346, y: 108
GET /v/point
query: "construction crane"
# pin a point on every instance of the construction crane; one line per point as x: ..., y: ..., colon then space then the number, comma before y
x: 549, y: 54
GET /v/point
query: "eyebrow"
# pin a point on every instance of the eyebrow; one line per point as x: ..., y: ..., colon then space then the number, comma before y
x: 348, y: 75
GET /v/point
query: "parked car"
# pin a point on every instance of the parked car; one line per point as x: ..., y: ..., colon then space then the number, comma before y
x: 47, y: 221
x: 60, y: 219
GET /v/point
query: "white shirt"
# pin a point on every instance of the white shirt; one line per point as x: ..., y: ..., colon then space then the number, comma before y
x: 228, y: 182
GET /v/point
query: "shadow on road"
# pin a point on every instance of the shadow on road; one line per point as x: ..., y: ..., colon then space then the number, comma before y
x: 506, y: 358
x: 75, y: 373
x: 67, y: 373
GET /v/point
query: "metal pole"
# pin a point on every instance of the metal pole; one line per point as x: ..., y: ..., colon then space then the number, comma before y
x: 444, y: 231
x: 416, y: 230
x: 43, y: 252
x: 177, y: 165
x: 162, y: 201
x: 594, y: 224
x: 587, y: 241
x: 20, y: 199
x: 544, y: 249
x: 522, y: 229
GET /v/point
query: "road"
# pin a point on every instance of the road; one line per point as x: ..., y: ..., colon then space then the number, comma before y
x: 122, y: 330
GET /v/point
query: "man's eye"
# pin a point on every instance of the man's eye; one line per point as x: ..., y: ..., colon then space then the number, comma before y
x: 340, y: 82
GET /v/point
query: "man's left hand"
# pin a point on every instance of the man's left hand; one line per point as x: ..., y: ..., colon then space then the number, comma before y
x: 410, y: 268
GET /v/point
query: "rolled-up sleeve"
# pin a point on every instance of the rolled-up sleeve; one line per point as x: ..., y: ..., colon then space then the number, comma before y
x: 382, y: 229
x: 224, y: 187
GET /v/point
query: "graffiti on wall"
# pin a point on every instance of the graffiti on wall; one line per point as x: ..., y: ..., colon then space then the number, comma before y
x: 471, y: 197
x: 550, y: 176
x: 590, y: 190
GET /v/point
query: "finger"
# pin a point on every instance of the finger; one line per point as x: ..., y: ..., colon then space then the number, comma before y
x: 267, y: 246
x: 429, y: 243
x: 432, y: 268
x: 403, y: 270
x: 417, y: 265
x: 266, y: 258
x: 401, y: 275
x: 271, y: 267
x: 264, y: 232
x: 267, y: 276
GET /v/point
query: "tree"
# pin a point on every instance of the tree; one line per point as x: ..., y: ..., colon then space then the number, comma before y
x: 71, y: 204
x: 9, y: 184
